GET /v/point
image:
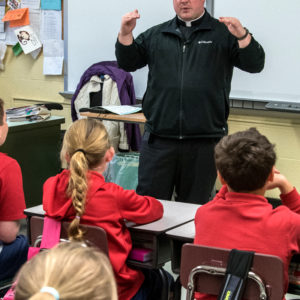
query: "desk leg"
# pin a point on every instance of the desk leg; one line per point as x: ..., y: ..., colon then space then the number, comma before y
x: 177, y: 289
x: 28, y: 230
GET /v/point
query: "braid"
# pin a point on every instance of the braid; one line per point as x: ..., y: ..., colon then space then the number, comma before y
x: 77, y: 190
x: 84, y: 147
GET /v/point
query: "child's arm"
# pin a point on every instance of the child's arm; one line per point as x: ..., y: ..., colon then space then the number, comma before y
x: 139, y: 209
x: 280, y: 181
x: 9, y: 231
x: 289, y: 195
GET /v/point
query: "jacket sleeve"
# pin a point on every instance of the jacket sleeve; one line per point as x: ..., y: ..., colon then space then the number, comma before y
x: 138, y: 209
x: 132, y: 57
x: 250, y: 59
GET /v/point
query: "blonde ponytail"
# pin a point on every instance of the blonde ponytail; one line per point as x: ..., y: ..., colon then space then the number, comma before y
x: 41, y: 296
x: 85, y: 144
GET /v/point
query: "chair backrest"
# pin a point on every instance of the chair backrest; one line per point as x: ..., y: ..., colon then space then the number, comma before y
x: 94, y: 234
x: 205, y: 268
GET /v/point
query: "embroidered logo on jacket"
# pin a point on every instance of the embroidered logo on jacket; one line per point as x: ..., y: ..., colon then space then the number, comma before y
x: 204, y: 42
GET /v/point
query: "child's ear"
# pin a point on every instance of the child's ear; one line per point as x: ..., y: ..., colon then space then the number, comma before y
x: 222, y: 180
x: 272, y: 173
x: 109, y: 154
x: 67, y: 157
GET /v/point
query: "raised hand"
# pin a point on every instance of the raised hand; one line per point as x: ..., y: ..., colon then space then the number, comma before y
x: 129, y: 22
x: 234, y: 26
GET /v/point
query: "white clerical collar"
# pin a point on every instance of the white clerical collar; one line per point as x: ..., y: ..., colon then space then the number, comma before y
x: 189, y: 23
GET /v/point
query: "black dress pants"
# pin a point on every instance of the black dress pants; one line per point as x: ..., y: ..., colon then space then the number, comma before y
x: 185, y: 166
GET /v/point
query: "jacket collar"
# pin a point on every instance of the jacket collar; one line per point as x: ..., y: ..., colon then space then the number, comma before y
x: 244, y: 197
x: 205, y: 24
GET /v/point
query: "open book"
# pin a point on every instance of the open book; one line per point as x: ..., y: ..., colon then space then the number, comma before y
x: 116, y: 109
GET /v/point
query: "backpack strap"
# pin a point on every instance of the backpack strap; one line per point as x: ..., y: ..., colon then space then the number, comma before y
x: 238, y: 266
x: 51, y: 233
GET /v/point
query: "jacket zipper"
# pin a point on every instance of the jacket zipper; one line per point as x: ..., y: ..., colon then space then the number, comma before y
x: 181, y: 92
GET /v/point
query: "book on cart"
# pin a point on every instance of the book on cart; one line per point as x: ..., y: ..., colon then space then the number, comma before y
x: 115, y: 109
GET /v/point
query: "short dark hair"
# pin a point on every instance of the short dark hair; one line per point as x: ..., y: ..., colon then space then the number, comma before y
x: 1, y: 111
x: 245, y: 160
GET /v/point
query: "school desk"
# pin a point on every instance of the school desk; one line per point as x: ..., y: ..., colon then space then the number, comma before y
x: 179, y: 236
x: 35, y: 145
x: 151, y: 235
x: 137, y: 118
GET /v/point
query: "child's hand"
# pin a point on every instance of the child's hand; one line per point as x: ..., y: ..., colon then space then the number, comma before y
x: 280, y: 181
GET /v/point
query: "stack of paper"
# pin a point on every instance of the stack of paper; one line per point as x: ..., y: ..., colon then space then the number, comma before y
x: 29, y: 113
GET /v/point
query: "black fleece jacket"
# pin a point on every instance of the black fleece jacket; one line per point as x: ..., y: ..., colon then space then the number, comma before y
x: 189, y: 81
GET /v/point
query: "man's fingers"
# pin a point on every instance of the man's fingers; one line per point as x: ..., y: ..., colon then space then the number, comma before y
x: 132, y: 15
x: 229, y: 21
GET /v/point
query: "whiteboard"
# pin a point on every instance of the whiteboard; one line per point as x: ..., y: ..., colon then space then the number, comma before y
x: 91, y: 28
x: 275, y: 25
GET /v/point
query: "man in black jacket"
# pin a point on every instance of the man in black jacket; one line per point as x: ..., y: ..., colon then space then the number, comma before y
x: 186, y: 104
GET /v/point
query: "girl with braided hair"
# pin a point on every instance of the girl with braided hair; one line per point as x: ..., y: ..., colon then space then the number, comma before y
x: 81, y: 195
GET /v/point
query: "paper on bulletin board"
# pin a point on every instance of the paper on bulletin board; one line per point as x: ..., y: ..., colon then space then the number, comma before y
x: 3, y: 48
x: 9, y: 37
x: 53, y: 51
x: 31, y: 4
x: 51, y: 22
x: 51, y: 4
x: 35, y: 21
x: 17, y: 17
x: 14, y: 4
x: 2, y: 13
x: 17, y: 49
x: 27, y: 39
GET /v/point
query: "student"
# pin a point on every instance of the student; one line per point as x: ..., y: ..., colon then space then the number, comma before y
x: 68, y: 271
x: 240, y: 216
x: 80, y: 194
x: 13, y: 247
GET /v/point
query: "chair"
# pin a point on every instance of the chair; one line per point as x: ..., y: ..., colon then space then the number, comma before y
x: 5, y: 286
x: 95, y: 235
x: 203, y: 268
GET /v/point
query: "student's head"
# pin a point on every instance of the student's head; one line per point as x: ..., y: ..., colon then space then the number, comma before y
x: 74, y: 271
x: 188, y: 10
x: 85, y: 146
x: 3, y: 123
x: 245, y: 160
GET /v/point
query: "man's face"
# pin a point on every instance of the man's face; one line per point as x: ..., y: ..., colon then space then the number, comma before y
x: 188, y: 10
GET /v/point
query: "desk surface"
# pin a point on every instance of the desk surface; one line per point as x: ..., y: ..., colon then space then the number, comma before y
x: 25, y: 125
x: 185, y: 232
x: 175, y: 214
x: 131, y: 118
x: 34, y: 211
